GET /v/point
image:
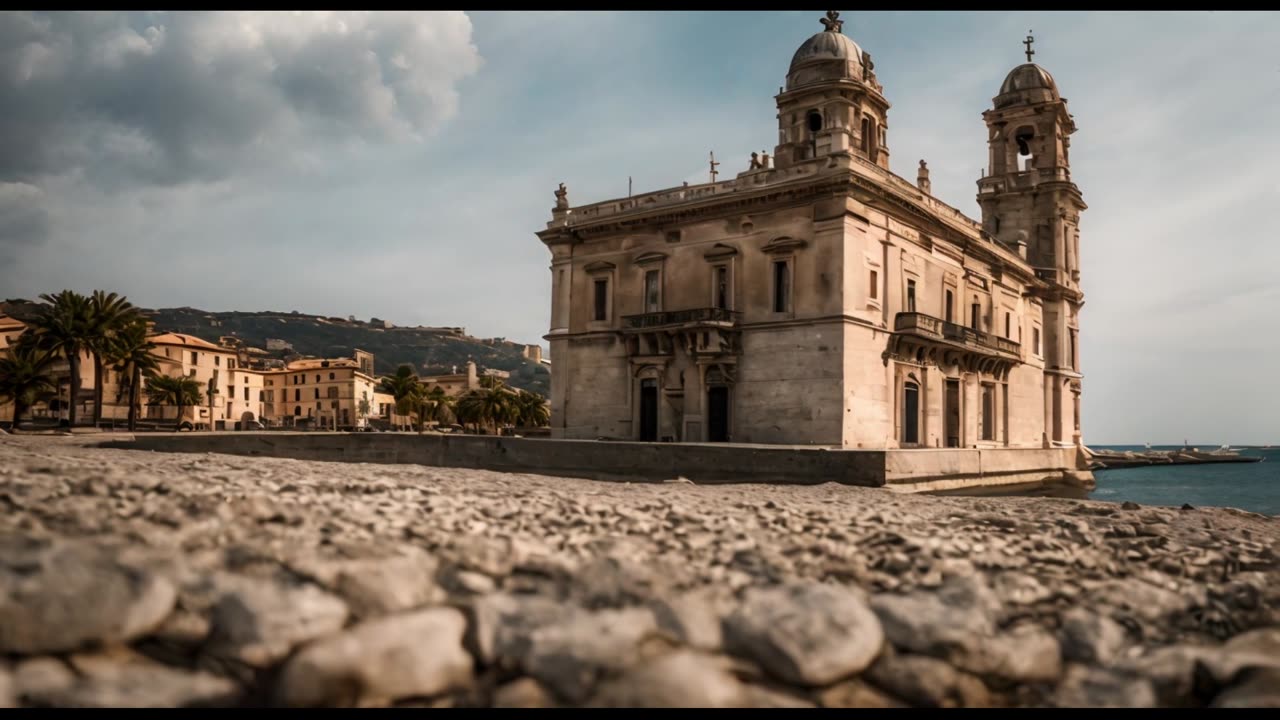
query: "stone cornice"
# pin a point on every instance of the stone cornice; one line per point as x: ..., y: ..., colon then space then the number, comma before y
x: 717, y: 206
x: 874, y: 191
x: 761, y: 325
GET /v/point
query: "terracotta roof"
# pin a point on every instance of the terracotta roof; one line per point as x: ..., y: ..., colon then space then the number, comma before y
x: 320, y: 363
x: 11, y: 323
x: 188, y: 340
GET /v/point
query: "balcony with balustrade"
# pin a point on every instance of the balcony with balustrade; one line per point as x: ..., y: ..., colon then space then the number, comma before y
x: 691, y: 318
x: 698, y: 331
x: 924, y: 338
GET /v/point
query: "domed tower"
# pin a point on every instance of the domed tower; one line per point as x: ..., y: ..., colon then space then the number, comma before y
x: 1028, y: 200
x: 832, y: 102
x: 1030, y: 205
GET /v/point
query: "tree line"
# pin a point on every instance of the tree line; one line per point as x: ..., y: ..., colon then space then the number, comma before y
x: 493, y: 405
x: 114, y: 334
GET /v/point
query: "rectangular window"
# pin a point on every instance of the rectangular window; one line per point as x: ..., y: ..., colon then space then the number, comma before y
x: 781, y: 287
x: 262, y: 395
x: 975, y: 312
x: 231, y: 363
x: 873, y: 283
x: 1004, y: 412
x: 949, y: 310
x: 651, y: 291
x: 297, y: 395
x: 911, y: 296
x: 231, y: 393
x: 602, y: 300
x: 1035, y: 340
x: 1008, y: 326
x: 195, y: 358
x: 988, y: 412
x: 722, y: 287
x: 333, y: 391
x: 217, y: 361
x: 246, y: 394
x: 317, y: 391
x: 910, y: 413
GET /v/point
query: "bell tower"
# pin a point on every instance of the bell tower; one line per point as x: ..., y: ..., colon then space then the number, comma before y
x: 1028, y: 200
x: 832, y: 103
x: 1030, y: 205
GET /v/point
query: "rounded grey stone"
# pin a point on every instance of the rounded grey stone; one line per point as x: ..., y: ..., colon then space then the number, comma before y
x: 806, y: 633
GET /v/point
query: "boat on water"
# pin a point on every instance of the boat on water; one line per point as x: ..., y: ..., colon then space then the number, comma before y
x: 1114, y: 460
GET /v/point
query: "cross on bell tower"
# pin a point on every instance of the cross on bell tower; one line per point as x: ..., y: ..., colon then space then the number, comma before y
x: 714, y: 163
x: 1028, y: 42
x: 832, y: 21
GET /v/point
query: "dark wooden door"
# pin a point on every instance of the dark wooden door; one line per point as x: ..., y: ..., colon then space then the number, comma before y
x: 649, y: 410
x: 718, y: 414
x: 952, y: 410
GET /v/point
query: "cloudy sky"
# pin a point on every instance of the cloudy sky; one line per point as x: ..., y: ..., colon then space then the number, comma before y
x: 397, y: 164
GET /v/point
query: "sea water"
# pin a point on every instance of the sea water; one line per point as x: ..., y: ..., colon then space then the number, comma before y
x: 1247, y: 486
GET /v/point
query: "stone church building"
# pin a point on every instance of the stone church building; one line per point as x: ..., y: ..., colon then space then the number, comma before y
x: 819, y: 299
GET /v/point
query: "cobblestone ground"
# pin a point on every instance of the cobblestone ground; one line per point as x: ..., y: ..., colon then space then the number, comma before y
x: 149, y: 579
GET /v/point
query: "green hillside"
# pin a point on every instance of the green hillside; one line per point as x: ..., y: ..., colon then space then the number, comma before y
x: 431, y: 351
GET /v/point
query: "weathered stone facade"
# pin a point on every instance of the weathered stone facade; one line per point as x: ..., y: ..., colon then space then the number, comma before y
x: 818, y: 298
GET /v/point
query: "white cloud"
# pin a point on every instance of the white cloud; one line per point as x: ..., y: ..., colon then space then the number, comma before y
x: 164, y: 98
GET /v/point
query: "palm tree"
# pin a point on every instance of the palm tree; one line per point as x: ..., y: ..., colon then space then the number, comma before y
x: 531, y: 410
x: 180, y: 391
x: 437, y: 405
x: 468, y: 409
x: 130, y: 353
x: 109, y: 314
x: 493, y: 403
x: 63, y: 328
x: 25, y: 374
x: 404, y: 387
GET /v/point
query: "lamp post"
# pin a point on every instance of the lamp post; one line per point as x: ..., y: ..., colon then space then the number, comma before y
x: 213, y: 390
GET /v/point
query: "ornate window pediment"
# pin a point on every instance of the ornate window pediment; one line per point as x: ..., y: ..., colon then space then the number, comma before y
x: 649, y: 257
x: 783, y: 244
x: 599, y: 266
x: 720, y: 251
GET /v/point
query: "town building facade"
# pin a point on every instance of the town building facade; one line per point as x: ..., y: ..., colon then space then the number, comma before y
x: 237, y: 391
x: 818, y: 298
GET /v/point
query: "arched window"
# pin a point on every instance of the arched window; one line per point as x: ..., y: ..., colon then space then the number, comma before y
x: 814, y: 121
x: 1023, y: 138
x: 910, y: 413
x: 865, y: 130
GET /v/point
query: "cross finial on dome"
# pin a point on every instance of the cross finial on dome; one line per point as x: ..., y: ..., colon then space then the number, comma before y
x: 832, y: 21
x: 1028, y: 42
